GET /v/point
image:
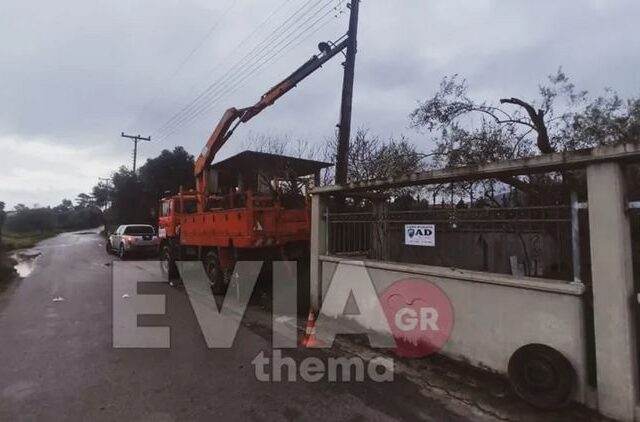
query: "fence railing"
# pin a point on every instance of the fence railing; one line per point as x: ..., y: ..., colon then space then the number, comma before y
x: 356, y: 233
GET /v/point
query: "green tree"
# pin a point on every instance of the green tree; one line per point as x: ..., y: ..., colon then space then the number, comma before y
x: 102, y: 193
x: 167, y: 172
x: 128, y: 198
x: 562, y: 118
x: 32, y: 219
x: 84, y: 201
x: 65, y: 206
x: 133, y: 197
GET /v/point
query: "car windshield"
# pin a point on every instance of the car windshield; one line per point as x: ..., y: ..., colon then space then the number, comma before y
x: 139, y: 230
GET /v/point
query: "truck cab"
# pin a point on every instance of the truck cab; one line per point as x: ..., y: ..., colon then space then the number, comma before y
x: 171, y: 211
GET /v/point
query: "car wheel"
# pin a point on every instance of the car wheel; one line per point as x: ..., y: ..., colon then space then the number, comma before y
x: 542, y: 376
x: 168, y: 265
x: 108, y: 247
x: 216, y: 275
x: 122, y: 253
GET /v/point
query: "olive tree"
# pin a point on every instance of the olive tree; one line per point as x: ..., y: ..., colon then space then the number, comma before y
x: 560, y: 118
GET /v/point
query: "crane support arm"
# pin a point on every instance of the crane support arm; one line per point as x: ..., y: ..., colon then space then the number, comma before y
x: 226, y: 126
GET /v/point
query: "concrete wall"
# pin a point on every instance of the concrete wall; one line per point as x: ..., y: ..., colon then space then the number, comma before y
x: 494, y: 314
x: 518, y: 310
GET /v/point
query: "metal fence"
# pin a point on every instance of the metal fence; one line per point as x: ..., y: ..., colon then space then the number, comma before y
x: 355, y: 233
x: 532, y: 241
x: 350, y: 233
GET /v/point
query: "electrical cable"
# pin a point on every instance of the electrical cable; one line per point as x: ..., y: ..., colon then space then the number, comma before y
x: 239, y: 64
x: 238, y: 84
x: 248, y: 61
x: 188, y: 58
x: 234, y: 83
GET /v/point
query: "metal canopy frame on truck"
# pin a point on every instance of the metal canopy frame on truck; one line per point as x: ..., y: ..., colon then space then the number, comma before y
x: 273, y: 164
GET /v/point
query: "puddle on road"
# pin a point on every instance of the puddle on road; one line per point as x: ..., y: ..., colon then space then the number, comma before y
x: 25, y: 261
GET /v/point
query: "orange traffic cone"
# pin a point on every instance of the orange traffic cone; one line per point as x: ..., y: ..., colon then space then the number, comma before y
x: 310, y: 332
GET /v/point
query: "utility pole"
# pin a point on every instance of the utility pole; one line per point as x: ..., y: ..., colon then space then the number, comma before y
x: 135, y: 140
x: 344, y: 133
x: 106, y: 180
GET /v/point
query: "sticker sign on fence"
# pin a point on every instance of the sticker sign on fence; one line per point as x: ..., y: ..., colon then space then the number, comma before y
x: 420, y: 235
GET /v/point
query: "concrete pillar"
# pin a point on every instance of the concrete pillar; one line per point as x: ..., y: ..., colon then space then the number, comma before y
x: 318, y: 247
x: 613, y: 292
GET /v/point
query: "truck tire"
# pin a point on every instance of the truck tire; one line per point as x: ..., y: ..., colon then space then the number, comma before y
x: 215, y: 273
x: 168, y: 265
x: 542, y: 376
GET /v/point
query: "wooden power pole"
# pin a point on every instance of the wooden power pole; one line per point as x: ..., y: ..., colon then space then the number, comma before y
x: 344, y: 133
x: 135, y: 140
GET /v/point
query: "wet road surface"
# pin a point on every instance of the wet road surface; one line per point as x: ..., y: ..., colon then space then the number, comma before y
x: 57, y: 361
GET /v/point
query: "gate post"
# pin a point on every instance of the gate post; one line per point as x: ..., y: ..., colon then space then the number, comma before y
x: 380, y: 232
x: 613, y: 291
x: 318, y: 247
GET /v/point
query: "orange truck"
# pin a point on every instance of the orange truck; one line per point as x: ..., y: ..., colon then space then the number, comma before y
x: 250, y: 206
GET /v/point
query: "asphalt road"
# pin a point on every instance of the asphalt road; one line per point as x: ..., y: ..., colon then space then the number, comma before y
x: 57, y: 361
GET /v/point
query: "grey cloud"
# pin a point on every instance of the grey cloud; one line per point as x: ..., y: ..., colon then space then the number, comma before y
x: 77, y: 72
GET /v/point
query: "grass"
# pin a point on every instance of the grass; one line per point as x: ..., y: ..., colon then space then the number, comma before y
x: 12, y: 241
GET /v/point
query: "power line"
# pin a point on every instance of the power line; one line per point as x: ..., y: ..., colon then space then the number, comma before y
x: 248, y: 60
x: 231, y: 84
x: 233, y: 87
x: 238, y: 84
x: 239, y: 46
x: 242, y: 62
x: 204, y: 39
x: 224, y: 92
x: 190, y: 55
x: 255, y: 31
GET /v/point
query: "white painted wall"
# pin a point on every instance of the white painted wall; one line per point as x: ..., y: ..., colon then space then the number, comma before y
x: 494, y: 314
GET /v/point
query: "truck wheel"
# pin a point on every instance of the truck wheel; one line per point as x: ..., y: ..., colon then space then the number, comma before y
x: 215, y: 273
x: 122, y: 253
x: 542, y: 376
x: 168, y: 265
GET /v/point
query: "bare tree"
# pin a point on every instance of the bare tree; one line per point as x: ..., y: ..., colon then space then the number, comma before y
x: 283, y: 144
x: 370, y: 157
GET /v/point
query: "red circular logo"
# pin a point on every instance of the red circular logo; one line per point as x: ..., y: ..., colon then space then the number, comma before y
x: 420, y: 316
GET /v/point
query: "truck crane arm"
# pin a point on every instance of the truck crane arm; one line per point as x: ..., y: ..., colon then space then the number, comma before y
x: 232, y: 118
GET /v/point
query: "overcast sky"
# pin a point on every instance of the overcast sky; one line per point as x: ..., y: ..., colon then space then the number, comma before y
x: 75, y: 73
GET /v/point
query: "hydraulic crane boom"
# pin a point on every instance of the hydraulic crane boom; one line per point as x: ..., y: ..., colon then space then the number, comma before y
x: 224, y: 129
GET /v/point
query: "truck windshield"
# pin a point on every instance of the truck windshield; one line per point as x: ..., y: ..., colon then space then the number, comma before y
x: 190, y: 206
x: 139, y: 230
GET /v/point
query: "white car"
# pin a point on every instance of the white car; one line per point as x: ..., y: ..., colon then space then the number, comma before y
x: 133, y: 238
